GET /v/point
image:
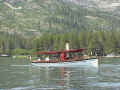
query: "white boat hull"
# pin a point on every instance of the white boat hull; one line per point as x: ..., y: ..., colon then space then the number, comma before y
x: 91, y: 62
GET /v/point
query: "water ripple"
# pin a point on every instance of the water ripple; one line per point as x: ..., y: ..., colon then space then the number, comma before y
x: 107, y: 84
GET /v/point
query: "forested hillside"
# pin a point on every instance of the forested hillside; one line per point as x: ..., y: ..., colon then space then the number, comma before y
x: 30, y: 25
x: 31, y: 16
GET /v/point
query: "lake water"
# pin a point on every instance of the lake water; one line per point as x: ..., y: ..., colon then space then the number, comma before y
x: 21, y: 75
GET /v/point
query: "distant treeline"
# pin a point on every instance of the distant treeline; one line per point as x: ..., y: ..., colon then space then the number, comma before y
x: 17, y: 44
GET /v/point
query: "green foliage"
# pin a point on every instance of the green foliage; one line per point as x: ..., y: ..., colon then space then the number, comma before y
x: 16, y: 45
x: 46, y: 24
x: 19, y: 51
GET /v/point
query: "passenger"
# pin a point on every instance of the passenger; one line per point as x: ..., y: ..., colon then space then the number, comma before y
x: 47, y: 59
x: 39, y: 59
x: 62, y: 57
x: 68, y: 55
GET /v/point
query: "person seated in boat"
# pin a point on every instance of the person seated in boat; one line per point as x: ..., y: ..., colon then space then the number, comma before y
x: 47, y: 58
x: 68, y: 55
x: 38, y: 59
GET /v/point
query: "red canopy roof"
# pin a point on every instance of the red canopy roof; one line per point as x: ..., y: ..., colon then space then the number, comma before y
x: 58, y: 52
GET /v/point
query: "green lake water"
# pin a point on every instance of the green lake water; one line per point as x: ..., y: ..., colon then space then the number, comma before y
x: 21, y: 75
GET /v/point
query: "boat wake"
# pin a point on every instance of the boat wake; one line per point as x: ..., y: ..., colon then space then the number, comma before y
x: 86, y: 63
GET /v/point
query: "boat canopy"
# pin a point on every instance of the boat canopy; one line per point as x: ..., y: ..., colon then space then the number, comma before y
x: 58, y: 52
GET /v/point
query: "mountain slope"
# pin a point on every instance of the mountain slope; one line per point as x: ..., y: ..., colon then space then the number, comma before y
x: 33, y: 17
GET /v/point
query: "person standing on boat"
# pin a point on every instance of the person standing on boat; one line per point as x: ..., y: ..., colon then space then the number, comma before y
x: 62, y: 57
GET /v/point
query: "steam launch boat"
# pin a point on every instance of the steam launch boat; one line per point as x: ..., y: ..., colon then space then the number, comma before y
x: 65, y: 58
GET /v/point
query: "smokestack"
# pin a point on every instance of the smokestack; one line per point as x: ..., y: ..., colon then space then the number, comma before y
x: 67, y: 45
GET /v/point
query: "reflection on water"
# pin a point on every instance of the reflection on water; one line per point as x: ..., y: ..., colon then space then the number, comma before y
x: 20, y: 75
x: 62, y: 78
